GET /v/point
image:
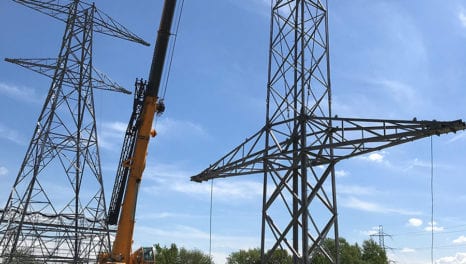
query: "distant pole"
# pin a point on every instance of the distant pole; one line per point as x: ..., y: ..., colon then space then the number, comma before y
x: 381, y: 237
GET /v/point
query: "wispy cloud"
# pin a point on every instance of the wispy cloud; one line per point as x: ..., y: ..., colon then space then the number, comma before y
x: 357, y: 190
x: 407, y: 250
x: 111, y: 135
x: 433, y: 226
x: 244, y: 190
x: 457, y: 137
x: 166, y: 215
x: 462, y: 17
x: 401, y: 92
x: 3, y: 171
x: 460, y: 240
x: 20, y: 93
x: 175, y: 178
x: 11, y: 135
x: 458, y: 258
x: 358, y: 204
x: 176, y: 128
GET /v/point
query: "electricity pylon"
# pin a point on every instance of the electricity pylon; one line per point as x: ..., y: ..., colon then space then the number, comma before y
x: 301, y: 141
x: 56, y: 211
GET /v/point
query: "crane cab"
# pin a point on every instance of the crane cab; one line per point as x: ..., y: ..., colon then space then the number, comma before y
x: 144, y: 255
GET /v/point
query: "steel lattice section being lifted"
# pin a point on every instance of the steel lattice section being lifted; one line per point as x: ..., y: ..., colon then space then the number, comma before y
x: 56, y: 211
x: 297, y: 148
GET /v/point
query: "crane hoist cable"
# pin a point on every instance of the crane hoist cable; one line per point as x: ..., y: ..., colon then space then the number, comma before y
x: 432, y: 199
x: 210, y: 218
x: 171, y: 52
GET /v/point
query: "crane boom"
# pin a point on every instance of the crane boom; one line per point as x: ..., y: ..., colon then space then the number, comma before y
x: 133, y: 156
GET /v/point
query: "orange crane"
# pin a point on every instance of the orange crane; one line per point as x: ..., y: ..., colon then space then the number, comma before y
x: 122, y: 208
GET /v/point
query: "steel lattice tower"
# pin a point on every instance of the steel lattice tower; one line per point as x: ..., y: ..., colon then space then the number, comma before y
x: 297, y: 148
x: 56, y: 211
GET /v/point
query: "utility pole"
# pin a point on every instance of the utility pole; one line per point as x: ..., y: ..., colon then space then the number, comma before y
x: 301, y: 141
x: 56, y: 211
x: 381, y: 237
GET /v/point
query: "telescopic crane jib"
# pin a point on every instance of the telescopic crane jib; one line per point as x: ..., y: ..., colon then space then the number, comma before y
x: 133, y: 155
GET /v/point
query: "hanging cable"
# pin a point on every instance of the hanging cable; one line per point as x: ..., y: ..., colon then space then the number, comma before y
x: 172, y: 50
x: 210, y: 219
x: 432, y: 199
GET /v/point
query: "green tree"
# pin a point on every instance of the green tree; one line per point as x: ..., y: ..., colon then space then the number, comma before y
x: 280, y: 256
x: 23, y: 256
x: 173, y: 255
x: 373, y: 253
x: 253, y: 256
x: 193, y: 257
x: 164, y: 255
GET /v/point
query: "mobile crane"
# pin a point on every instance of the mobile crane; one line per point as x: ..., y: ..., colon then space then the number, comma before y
x: 134, y: 151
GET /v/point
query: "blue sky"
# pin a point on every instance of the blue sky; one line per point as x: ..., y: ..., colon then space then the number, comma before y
x: 389, y: 59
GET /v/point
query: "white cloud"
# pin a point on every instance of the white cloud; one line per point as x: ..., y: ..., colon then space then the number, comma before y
x: 222, y: 190
x: 460, y: 240
x: 359, y: 204
x: 356, y: 203
x: 462, y: 17
x: 458, y: 258
x: 174, y: 178
x: 371, y: 232
x: 165, y: 215
x: 415, y: 222
x: 377, y: 157
x: 419, y: 163
x: 19, y: 93
x: 116, y: 127
x: 341, y: 173
x: 407, y: 250
x: 3, y: 171
x: 111, y: 135
x: 435, y: 227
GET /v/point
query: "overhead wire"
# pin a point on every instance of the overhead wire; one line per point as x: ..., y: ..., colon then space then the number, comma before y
x: 432, y: 198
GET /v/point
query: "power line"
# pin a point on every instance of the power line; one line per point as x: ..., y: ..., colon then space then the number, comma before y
x: 432, y: 198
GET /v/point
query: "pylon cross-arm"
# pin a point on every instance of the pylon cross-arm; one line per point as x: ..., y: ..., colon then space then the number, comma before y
x: 350, y: 137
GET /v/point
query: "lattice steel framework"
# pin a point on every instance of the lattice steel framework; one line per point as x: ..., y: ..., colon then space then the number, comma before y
x: 302, y: 140
x: 56, y: 211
